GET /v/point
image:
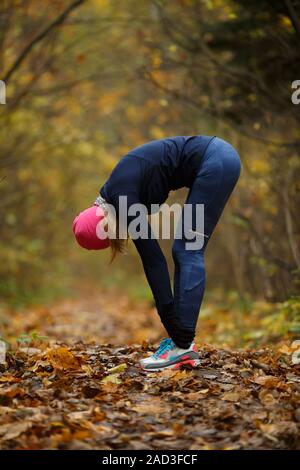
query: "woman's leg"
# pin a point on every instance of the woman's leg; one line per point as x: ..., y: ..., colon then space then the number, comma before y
x: 212, y: 187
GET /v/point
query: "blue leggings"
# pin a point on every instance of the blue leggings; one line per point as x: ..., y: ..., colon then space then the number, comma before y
x: 215, y: 181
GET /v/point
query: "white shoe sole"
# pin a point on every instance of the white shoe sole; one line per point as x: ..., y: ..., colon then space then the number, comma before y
x: 192, y: 362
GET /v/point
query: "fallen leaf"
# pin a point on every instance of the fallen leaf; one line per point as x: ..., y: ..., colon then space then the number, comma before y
x: 8, y: 378
x: 62, y: 358
x: 267, y: 428
x: 12, y: 392
x: 12, y: 430
x: 231, y: 396
x: 112, y: 378
x: 268, y: 381
x: 151, y: 406
x: 194, y: 396
x: 267, y: 398
x: 293, y: 377
x: 118, y: 369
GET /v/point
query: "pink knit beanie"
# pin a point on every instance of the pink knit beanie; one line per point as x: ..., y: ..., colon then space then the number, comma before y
x: 88, y: 229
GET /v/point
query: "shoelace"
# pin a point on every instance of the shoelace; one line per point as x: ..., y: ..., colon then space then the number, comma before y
x: 165, y: 345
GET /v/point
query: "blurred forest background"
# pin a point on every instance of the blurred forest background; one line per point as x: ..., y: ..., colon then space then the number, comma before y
x: 87, y: 80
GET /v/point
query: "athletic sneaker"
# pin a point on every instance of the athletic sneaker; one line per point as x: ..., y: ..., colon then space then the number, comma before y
x: 169, y: 356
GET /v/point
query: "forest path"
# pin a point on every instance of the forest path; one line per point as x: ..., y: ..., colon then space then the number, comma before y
x: 81, y: 388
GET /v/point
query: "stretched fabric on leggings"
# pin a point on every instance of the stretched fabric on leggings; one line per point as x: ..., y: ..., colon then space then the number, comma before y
x: 214, y: 182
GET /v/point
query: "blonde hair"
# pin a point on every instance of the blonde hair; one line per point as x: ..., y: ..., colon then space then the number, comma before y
x: 111, y: 224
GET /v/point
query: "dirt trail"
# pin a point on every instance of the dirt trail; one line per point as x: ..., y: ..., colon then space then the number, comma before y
x: 81, y: 389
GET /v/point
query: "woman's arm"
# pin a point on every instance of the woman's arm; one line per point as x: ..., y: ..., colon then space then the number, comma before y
x: 153, y: 260
x: 156, y: 269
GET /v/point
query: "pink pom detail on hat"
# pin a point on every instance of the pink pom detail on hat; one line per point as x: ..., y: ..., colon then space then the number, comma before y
x: 88, y: 230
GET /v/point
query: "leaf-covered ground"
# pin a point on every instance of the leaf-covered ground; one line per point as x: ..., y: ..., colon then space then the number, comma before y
x: 76, y: 390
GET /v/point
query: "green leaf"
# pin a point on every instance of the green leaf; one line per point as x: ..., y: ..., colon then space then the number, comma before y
x: 118, y: 369
x: 112, y: 378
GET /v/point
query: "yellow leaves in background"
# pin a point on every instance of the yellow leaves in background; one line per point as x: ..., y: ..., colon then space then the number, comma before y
x: 25, y: 174
x: 133, y: 113
x: 156, y: 59
x: 108, y: 100
x: 86, y: 148
x: 108, y: 161
x: 173, y: 48
x: 163, y: 102
x: 160, y: 76
x: 260, y: 166
x: 285, y: 22
x: 188, y: 2
x: 157, y: 132
x: 218, y: 4
x: 74, y: 106
x: 260, y: 170
x: 102, y: 4
x: 89, y: 107
x: 134, y: 138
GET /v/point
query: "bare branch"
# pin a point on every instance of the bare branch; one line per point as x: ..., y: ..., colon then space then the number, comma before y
x: 178, y: 95
x: 265, y: 249
x: 39, y: 37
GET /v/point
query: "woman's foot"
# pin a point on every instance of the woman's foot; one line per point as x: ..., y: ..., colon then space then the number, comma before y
x: 169, y: 356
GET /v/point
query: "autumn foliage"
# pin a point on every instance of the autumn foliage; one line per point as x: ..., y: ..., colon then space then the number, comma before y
x: 86, y: 81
